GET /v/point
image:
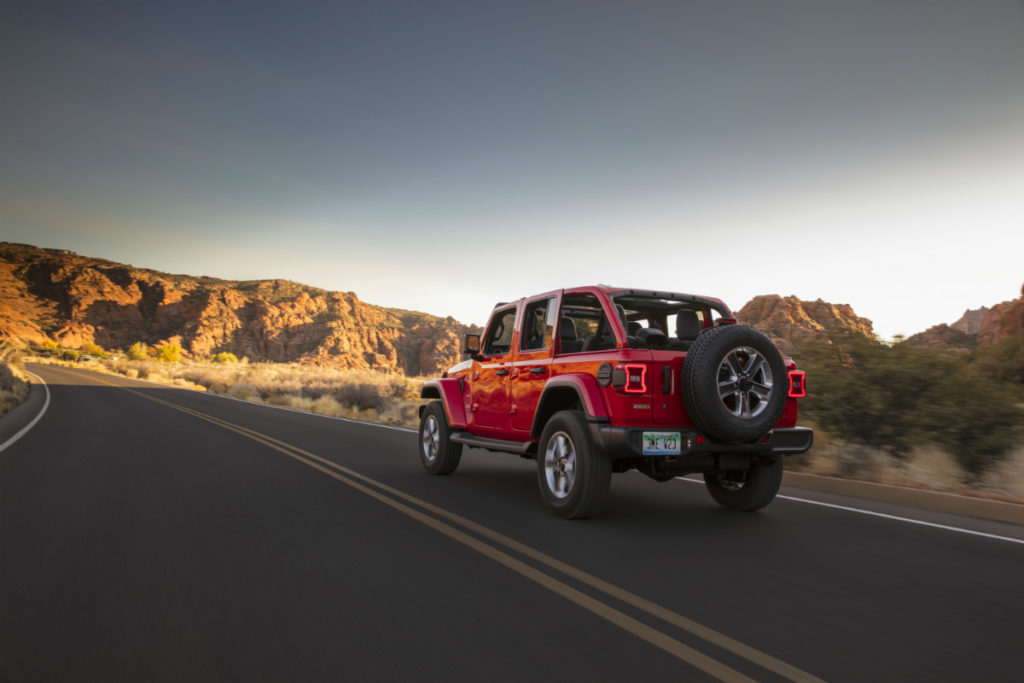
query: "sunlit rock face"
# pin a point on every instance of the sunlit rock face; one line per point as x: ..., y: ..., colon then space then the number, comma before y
x: 790, y: 321
x: 49, y: 294
x: 980, y: 327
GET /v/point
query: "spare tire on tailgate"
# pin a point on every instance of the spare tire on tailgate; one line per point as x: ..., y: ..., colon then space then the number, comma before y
x: 734, y: 383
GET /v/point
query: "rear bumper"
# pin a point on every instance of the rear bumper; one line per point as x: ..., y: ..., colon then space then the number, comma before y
x: 627, y: 442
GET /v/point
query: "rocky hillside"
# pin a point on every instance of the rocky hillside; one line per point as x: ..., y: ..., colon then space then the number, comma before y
x: 73, y: 300
x: 975, y: 328
x: 790, y: 321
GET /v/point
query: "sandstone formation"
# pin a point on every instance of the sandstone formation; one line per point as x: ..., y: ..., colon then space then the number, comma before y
x: 971, y: 321
x: 790, y: 321
x: 944, y: 338
x: 975, y: 328
x: 74, y: 300
x: 1003, y: 320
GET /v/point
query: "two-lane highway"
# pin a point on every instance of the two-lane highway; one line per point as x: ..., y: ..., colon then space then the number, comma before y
x: 149, y: 533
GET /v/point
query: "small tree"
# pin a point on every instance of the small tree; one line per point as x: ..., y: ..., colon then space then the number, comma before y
x: 224, y: 357
x: 168, y: 353
x: 137, y: 351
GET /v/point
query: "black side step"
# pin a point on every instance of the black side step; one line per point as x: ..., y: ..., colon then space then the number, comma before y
x: 474, y: 441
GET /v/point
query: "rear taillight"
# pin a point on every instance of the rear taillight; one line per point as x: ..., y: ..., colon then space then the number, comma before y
x: 636, y: 377
x: 797, y: 384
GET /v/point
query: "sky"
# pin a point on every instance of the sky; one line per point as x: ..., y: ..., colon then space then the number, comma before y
x: 443, y: 156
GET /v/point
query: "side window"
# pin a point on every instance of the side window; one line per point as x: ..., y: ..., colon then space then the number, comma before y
x: 674, y: 324
x: 498, y: 340
x: 538, y: 325
x: 583, y: 325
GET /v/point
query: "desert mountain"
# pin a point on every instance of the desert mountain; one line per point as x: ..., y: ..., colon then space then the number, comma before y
x: 61, y: 296
x: 790, y: 321
x: 977, y: 327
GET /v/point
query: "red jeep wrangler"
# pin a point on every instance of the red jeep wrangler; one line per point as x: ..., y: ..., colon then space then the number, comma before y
x: 594, y: 380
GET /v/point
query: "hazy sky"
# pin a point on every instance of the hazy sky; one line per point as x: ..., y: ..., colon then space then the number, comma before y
x: 442, y: 156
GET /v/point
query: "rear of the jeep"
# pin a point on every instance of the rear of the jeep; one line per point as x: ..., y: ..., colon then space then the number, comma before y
x: 664, y: 383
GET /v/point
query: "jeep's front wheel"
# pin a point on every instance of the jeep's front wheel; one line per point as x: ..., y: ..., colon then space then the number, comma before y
x: 751, y: 489
x: 573, y: 474
x: 438, y: 455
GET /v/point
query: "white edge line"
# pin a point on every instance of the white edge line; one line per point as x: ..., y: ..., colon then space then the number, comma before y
x: 403, y: 429
x: 908, y: 520
x: 30, y: 425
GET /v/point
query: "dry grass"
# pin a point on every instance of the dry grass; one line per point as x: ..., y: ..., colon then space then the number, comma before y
x: 926, y: 467
x: 394, y: 399
x: 14, y: 384
x: 354, y: 394
x: 1006, y: 479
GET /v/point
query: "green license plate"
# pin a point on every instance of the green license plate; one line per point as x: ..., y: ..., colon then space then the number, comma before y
x: 661, y: 443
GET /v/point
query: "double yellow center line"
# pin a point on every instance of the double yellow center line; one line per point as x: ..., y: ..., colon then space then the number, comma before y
x: 444, y: 522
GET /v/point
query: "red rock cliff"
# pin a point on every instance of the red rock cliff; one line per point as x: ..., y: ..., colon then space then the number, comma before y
x: 71, y: 299
x: 975, y: 328
x: 789, y: 320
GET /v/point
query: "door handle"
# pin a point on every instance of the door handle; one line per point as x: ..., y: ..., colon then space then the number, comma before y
x: 501, y: 372
x: 538, y: 370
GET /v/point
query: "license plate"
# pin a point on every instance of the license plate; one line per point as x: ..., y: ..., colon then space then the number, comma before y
x: 661, y: 443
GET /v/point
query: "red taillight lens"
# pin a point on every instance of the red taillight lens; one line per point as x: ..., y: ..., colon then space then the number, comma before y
x: 797, y: 384
x: 636, y: 377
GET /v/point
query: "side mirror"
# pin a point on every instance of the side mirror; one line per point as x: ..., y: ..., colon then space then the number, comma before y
x: 471, y: 345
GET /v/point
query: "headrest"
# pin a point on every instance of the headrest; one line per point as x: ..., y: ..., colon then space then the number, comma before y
x: 652, y: 336
x: 687, y: 325
x: 566, y: 328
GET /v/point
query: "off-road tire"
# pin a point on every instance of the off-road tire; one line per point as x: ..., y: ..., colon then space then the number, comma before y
x: 566, y: 441
x: 753, y: 491
x: 706, y: 374
x: 438, y: 454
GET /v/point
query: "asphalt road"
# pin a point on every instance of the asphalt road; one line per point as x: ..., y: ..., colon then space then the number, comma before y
x: 155, y: 534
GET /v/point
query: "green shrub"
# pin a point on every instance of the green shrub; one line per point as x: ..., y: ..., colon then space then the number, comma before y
x: 224, y: 357
x: 137, y: 351
x: 1003, y: 361
x: 91, y: 349
x: 895, y: 398
x: 49, y: 348
x: 168, y: 353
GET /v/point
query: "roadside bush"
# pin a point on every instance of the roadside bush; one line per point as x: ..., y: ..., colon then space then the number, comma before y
x: 362, y: 395
x: 14, y: 384
x: 137, y: 351
x: 895, y: 398
x: 168, y: 353
x: 91, y: 349
x: 224, y: 357
x: 1002, y: 361
x: 48, y: 348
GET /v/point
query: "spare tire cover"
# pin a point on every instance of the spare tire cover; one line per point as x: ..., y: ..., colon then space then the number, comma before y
x: 734, y: 383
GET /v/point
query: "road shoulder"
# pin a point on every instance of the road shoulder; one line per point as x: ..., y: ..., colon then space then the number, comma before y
x: 969, y: 506
x: 19, y: 417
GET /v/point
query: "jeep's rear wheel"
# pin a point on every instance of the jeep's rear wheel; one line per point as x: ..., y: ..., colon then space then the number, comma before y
x: 734, y: 383
x: 749, y: 489
x: 438, y: 455
x: 574, y: 475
